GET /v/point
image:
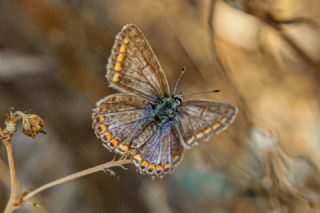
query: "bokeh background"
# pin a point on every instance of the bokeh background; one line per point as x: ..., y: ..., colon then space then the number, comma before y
x: 264, y: 55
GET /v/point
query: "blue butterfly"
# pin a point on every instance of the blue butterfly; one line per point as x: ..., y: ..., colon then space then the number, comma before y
x: 144, y: 122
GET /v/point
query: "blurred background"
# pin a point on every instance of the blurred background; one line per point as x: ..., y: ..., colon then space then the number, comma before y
x: 263, y: 55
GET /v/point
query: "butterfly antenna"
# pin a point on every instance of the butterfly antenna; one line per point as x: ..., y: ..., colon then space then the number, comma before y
x: 181, y: 74
x: 201, y: 92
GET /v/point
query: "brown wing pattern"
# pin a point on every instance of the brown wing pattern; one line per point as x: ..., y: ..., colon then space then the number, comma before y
x: 118, y: 118
x: 161, y: 154
x: 200, y: 119
x: 133, y: 67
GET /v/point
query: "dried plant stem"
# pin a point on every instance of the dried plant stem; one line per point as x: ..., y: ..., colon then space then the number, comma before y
x: 82, y: 173
x: 13, y: 180
x: 2, y: 134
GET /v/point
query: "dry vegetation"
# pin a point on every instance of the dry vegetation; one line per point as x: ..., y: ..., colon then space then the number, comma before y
x: 264, y: 55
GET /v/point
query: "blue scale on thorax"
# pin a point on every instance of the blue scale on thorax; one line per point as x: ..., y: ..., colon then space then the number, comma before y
x: 163, y: 115
x: 166, y: 110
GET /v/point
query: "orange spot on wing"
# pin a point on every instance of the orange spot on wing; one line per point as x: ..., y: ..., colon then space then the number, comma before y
x: 101, y: 118
x: 144, y: 164
x: 103, y: 128
x: 207, y: 130
x: 117, y: 67
x: 126, y: 40
x: 108, y: 135
x: 216, y: 126
x: 200, y: 135
x: 120, y: 57
x: 166, y: 167
x: 116, y: 77
x: 223, y: 120
x: 151, y: 167
x: 123, y: 48
x: 137, y: 159
x: 159, y: 168
x: 114, y: 143
x: 123, y: 149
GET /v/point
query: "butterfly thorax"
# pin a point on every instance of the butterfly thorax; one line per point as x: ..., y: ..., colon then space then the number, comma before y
x: 167, y: 109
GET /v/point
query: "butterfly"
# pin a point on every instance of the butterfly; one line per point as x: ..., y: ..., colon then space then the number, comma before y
x: 144, y: 122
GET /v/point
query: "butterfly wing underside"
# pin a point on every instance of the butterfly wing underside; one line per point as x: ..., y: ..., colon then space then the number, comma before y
x: 201, y: 119
x: 134, y: 68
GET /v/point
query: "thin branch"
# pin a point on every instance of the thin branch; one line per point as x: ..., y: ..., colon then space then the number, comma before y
x: 82, y: 173
x: 13, y: 180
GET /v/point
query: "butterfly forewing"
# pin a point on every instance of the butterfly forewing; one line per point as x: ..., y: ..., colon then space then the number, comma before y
x: 134, y: 68
x: 199, y: 119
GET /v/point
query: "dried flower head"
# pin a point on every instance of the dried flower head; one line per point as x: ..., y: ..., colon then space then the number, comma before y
x: 32, y: 125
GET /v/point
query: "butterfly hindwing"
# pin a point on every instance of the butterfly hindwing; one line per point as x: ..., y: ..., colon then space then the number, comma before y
x: 118, y: 119
x: 161, y: 154
x: 134, y: 68
x: 199, y: 119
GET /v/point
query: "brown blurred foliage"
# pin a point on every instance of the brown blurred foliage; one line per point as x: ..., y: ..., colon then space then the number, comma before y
x: 264, y: 55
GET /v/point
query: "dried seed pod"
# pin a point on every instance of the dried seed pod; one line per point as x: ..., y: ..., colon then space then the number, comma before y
x: 32, y: 125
